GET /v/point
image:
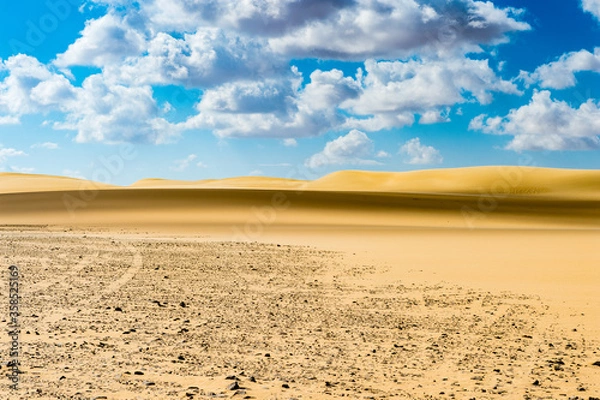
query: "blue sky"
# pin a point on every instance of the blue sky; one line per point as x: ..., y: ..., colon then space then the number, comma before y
x: 295, y: 88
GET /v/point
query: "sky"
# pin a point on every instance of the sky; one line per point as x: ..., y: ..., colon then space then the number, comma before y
x: 120, y: 90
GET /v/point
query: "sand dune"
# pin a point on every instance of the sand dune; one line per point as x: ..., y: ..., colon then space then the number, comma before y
x: 28, y: 183
x: 460, y: 198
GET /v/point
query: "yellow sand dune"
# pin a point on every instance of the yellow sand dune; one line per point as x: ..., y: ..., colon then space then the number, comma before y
x: 454, y: 198
x: 27, y: 183
x: 475, y: 180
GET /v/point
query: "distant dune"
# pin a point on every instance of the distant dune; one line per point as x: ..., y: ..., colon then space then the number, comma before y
x: 457, y: 198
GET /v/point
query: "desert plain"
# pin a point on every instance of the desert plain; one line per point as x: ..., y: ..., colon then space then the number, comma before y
x: 474, y: 283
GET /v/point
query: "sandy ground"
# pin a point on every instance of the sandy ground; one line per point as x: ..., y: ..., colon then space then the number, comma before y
x: 245, y: 291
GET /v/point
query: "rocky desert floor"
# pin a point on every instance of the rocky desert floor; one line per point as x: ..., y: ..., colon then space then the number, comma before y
x: 122, y: 315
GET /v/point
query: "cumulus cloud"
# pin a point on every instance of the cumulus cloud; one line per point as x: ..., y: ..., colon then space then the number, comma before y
x: 393, y: 91
x: 419, y: 154
x: 355, y: 148
x: 399, y: 29
x: 546, y: 124
x: 345, y: 29
x: 116, y: 113
x: 276, y: 107
x: 209, y: 57
x: 98, y: 110
x: 592, y: 6
x: 265, y: 18
x: 560, y: 74
x: 103, y: 41
x: 290, y: 142
x: 31, y: 87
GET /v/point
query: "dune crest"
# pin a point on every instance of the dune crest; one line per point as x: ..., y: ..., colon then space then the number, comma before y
x: 30, y: 183
x: 496, y: 180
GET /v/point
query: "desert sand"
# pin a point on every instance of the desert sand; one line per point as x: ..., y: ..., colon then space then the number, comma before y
x: 475, y: 283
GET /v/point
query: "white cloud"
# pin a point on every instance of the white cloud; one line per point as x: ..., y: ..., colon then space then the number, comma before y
x: 30, y: 87
x: 341, y: 29
x: 106, y: 40
x: 419, y: 154
x: 394, y: 91
x: 352, y: 149
x: 200, y: 164
x: 275, y: 107
x: 98, y: 110
x: 113, y: 113
x: 9, y: 120
x: 592, y: 6
x: 6, y: 152
x: 290, y: 142
x: 207, y: 58
x: 262, y: 18
x: 546, y: 124
x: 400, y: 29
x: 183, y: 164
x: 382, y: 154
x: 434, y: 117
x: 560, y: 74
x: 46, y: 145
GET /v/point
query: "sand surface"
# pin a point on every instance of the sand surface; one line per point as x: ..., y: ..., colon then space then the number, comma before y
x: 471, y: 283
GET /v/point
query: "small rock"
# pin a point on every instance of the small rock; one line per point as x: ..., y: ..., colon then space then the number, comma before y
x: 285, y: 386
x: 267, y: 355
x: 536, y: 383
x: 231, y: 378
x: 138, y: 373
x: 181, y: 358
x: 233, y: 386
x: 118, y: 309
x: 252, y: 379
x: 182, y: 304
x: 596, y: 364
x: 149, y: 383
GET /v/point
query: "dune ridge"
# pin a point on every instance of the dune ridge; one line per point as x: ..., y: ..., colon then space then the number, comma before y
x: 498, y: 197
x: 494, y: 180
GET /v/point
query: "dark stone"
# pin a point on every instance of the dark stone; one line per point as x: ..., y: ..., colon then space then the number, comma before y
x: 252, y: 379
x: 285, y: 386
x: 118, y: 309
x: 182, y: 304
x: 233, y: 386
x: 596, y: 364
x: 138, y: 373
x: 536, y: 383
x: 232, y: 378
